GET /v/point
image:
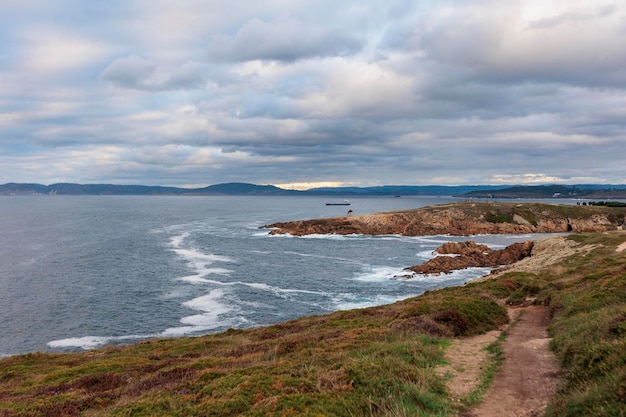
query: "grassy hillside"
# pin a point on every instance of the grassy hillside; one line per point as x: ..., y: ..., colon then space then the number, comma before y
x: 371, y: 362
x: 587, y: 298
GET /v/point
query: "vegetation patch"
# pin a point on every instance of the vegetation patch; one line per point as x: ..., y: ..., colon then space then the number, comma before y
x: 608, y: 203
x: 587, y: 330
x: 370, y: 362
x: 499, y: 217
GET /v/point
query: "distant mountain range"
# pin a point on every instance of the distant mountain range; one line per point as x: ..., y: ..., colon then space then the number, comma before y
x: 592, y: 191
x: 111, y: 189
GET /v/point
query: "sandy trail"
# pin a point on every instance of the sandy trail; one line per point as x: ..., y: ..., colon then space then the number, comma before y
x: 528, y: 377
x: 464, y: 359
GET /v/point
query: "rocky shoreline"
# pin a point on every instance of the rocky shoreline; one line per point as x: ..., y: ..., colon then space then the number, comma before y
x: 469, y: 254
x: 466, y: 219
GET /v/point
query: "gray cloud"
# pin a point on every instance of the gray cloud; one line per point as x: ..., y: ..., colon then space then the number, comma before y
x: 134, y: 72
x: 131, y: 71
x: 359, y: 92
x: 282, y: 40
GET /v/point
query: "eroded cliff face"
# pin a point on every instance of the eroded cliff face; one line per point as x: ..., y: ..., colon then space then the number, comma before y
x: 464, y: 219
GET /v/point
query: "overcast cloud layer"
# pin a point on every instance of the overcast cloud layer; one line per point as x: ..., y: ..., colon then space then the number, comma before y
x: 287, y: 91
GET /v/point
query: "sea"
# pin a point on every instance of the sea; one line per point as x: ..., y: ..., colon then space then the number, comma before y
x: 81, y: 272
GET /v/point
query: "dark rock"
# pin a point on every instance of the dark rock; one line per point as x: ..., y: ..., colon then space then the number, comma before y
x: 472, y: 255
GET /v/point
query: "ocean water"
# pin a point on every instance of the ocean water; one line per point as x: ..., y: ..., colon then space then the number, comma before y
x: 79, y: 272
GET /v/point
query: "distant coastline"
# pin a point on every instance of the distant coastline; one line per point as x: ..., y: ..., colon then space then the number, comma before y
x: 584, y: 191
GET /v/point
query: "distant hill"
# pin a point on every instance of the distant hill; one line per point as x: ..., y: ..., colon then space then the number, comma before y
x: 111, y: 189
x: 245, y: 189
x: 405, y: 190
x: 591, y: 191
x: 17, y: 189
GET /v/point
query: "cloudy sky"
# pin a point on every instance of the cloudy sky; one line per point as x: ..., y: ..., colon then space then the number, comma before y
x: 361, y: 93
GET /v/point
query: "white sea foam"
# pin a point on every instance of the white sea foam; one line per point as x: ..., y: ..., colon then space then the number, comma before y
x: 329, y: 236
x: 86, y: 342
x: 196, y: 257
x: 204, y: 321
x: 425, y: 240
x: 200, y: 276
x: 379, y: 274
x: 457, y: 275
x: 262, y: 233
x: 277, y: 290
x: 294, y: 291
x: 209, y: 303
x: 334, y: 236
x: 426, y: 254
x: 194, y: 279
x: 433, y: 241
x: 316, y: 256
x: 178, y: 331
x: 352, y: 301
x: 256, y: 285
x: 177, y: 240
x: 199, y: 262
x: 92, y: 342
x: 215, y: 313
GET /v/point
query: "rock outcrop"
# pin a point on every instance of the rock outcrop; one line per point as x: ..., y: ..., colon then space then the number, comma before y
x: 464, y: 219
x: 472, y: 255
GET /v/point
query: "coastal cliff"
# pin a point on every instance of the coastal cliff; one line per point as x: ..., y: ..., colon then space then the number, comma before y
x: 464, y: 219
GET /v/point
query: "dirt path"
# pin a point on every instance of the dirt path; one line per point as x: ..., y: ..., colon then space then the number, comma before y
x: 528, y: 377
x: 465, y: 358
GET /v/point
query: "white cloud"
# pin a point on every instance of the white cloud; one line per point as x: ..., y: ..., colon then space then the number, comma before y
x: 309, y: 185
x: 293, y: 92
x: 525, y: 179
x: 50, y: 50
x: 8, y: 119
x: 359, y: 89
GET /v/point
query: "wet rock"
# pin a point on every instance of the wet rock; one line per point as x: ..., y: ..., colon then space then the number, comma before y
x: 472, y: 255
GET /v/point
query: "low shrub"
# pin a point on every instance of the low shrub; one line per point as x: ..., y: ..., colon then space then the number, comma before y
x: 499, y: 217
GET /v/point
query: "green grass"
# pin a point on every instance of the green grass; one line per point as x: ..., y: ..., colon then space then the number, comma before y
x: 499, y: 217
x: 372, y: 362
x: 588, y: 303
